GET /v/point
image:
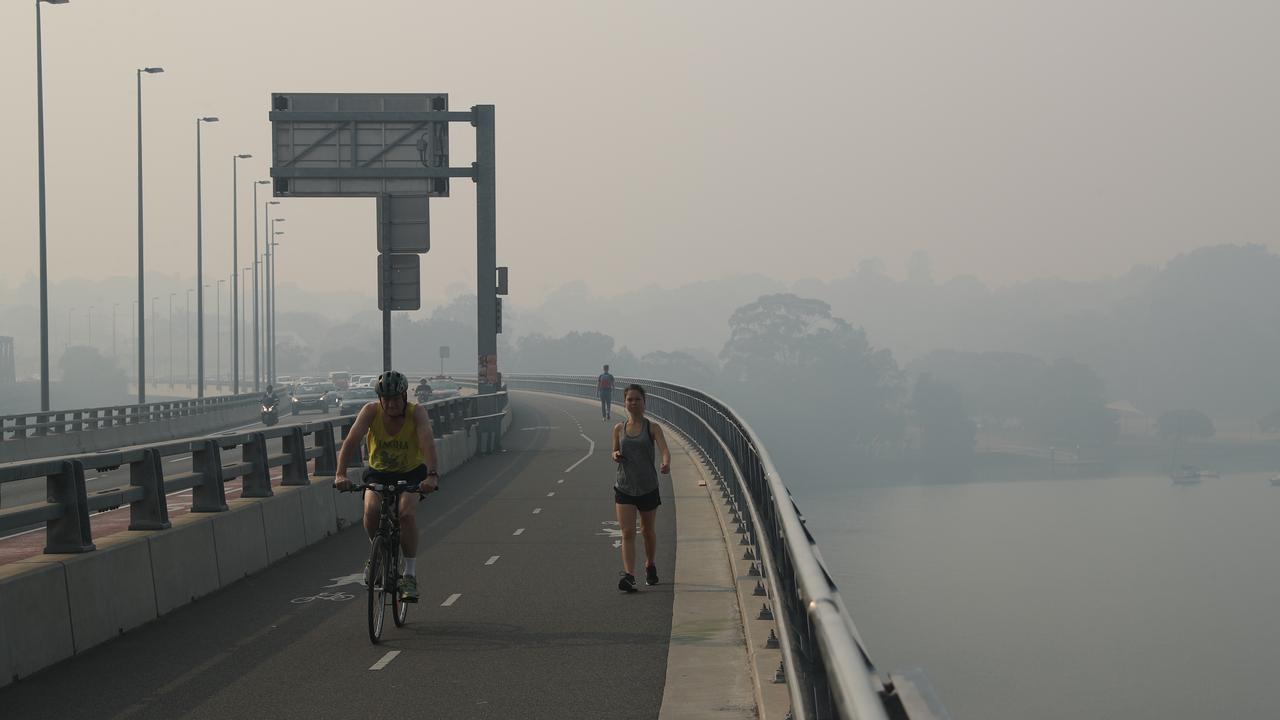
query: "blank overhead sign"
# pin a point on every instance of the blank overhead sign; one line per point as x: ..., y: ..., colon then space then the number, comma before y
x: 359, y: 144
x: 404, y: 224
x: 398, y: 282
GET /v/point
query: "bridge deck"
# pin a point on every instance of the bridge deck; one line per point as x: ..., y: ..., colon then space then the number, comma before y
x: 540, y: 631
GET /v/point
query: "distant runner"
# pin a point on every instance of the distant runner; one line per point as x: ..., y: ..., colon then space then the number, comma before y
x: 604, y: 385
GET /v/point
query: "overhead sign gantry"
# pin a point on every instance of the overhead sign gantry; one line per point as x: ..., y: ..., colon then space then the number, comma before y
x: 394, y: 147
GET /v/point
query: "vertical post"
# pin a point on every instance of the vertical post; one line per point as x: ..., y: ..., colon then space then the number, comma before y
x: 152, y: 511
x: 486, y: 241
x: 235, y: 277
x: 142, y: 321
x: 44, y: 264
x: 199, y: 276
x: 69, y: 533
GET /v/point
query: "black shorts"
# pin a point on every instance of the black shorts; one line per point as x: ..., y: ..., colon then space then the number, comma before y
x: 643, y: 503
x: 412, y: 478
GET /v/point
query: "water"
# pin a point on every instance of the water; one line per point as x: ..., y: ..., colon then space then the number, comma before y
x: 1122, y: 597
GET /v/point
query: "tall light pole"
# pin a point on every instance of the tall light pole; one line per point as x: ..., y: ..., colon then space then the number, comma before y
x: 114, y: 346
x: 217, y: 346
x: 142, y: 350
x: 235, y: 276
x: 44, y: 263
x: 89, y: 330
x: 244, y: 305
x: 133, y: 327
x: 200, y: 266
x: 274, y: 262
x: 171, y: 295
x: 67, y: 343
x: 259, y: 269
x: 154, y: 322
x: 186, y: 334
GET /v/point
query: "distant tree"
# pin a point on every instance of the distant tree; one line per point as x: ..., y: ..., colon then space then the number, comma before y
x: 947, y: 432
x: 89, y: 380
x: 574, y: 353
x: 677, y: 367
x: 1180, y: 425
x: 1067, y: 407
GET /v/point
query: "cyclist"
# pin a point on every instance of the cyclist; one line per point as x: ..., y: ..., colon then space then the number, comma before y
x: 423, y: 391
x: 401, y: 447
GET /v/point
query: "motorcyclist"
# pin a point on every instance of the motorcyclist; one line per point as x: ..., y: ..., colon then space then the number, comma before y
x: 423, y: 391
x: 269, y: 398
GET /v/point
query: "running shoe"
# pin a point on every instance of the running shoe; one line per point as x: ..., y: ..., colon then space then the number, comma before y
x: 651, y: 575
x: 627, y: 582
x: 409, y: 588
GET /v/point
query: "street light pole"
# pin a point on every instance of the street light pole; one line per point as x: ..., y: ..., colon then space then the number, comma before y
x: 274, y: 261
x: 244, y: 305
x: 217, y: 346
x: 171, y: 339
x: 186, y: 334
x: 44, y: 261
x: 142, y: 350
x: 114, y: 346
x: 200, y: 266
x: 262, y: 270
x: 67, y: 342
x: 257, y: 350
x: 89, y: 330
x: 154, y: 322
x: 235, y: 276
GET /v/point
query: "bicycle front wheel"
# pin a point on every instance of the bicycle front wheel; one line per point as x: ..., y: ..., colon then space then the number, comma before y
x: 399, y: 608
x: 377, y: 590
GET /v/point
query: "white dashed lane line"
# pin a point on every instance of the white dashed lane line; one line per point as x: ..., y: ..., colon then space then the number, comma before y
x: 492, y: 560
x: 386, y: 659
x: 451, y: 600
x: 561, y: 480
x: 583, y: 459
x: 519, y: 531
x: 551, y: 494
x: 537, y: 510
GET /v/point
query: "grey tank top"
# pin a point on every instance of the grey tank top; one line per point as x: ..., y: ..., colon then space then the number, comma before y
x: 637, y: 473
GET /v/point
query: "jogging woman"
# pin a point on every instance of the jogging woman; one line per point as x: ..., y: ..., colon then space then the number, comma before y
x: 636, y: 488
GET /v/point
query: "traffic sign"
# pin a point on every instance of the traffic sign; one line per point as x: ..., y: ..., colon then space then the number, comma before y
x: 399, y: 286
x: 404, y: 223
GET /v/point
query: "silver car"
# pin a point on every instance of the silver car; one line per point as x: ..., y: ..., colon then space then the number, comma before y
x: 354, y: 399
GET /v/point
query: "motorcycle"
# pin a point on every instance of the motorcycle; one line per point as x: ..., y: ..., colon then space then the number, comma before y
x: 269, y: 416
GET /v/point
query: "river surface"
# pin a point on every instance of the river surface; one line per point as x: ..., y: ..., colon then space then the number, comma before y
x: 1126, y: 597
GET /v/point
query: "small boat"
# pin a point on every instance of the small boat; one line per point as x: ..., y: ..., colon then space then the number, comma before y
x: 1186, y: 475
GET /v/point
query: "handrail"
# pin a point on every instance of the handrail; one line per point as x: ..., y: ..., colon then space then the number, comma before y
x: 828, y: 670
x: 19, y: 426
x: 66, y: 512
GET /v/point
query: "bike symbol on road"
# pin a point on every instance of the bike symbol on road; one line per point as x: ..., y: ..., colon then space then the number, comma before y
x: 333, y: 597
x: 352, y: 579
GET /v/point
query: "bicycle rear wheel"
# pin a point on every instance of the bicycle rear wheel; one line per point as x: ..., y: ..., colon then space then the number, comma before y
x: 377, y: 590
x: 399, y: 608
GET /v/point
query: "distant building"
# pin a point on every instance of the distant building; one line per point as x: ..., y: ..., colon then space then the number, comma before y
x: 8, y: 370
x: 1132, y: 420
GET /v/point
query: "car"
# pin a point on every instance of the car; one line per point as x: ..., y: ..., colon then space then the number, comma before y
x: 354, y: 399
x: 443, y: 387
x: 314, y: 396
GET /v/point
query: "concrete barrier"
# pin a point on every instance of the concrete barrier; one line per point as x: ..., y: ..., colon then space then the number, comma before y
x: 240, y: 540
x: 184, y: 562
x: 53, y: 606
x: 282, y: 520
x: 109, y: 592
x: 35, y: 617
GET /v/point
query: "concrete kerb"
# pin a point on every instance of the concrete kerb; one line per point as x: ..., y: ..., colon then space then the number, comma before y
x: 319, y: 510
x: 35, y: 619
x: 108, y: 593
x: 184, y: 562
x: 240, y: 540
x: 283, y: 523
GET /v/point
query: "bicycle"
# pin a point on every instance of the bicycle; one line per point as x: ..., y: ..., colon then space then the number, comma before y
x: 384, y: 558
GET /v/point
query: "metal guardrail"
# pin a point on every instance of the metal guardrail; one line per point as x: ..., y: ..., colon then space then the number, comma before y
x: 66, y: 511
x: 828, y: 671
x: 63, y: 422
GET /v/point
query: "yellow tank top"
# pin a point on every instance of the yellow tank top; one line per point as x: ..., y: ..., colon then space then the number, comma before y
x: 394, y: 453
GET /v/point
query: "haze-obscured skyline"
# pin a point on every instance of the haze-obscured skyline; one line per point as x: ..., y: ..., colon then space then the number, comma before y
x: 671, y: 141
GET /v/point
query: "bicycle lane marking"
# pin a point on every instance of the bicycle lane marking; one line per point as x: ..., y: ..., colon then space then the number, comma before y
x: 451, y: 600
x: 583, y: 459
x: 386, y: 660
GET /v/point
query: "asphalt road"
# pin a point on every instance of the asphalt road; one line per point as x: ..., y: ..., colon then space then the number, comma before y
x: 519, y: 614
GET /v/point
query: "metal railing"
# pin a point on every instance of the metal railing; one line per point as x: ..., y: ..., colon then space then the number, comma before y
x: 828, y: 671
x: 62, y: 422
x: 66, y: 511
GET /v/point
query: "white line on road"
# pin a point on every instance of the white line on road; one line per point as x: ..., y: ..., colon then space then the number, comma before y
x: 386, y: 659
x: 561, y: 480
x: 584, y: 457
x: 519, y: 531
x: 492, y: 560
x: 179, y: 459
x: 452, y: 599
x: 537, y: 510
x: 551, y: 494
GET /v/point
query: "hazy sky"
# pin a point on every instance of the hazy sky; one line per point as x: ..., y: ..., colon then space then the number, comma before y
x: 667, y: 141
